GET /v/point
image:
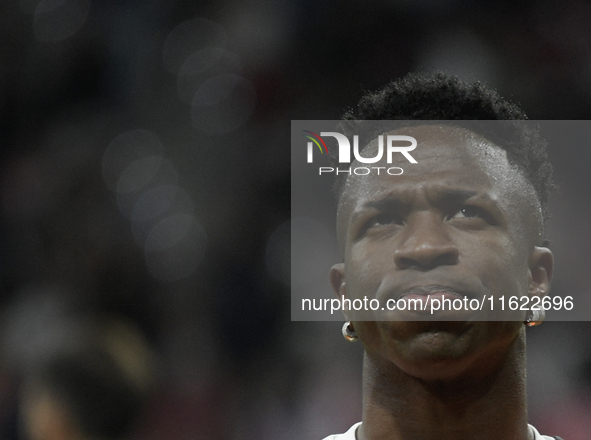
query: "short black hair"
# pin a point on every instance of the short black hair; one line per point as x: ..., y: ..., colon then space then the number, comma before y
x: 425, y: 97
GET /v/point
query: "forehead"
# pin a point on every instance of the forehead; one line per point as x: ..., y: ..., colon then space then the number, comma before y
x: 449, y: 154
x: 447, y: 158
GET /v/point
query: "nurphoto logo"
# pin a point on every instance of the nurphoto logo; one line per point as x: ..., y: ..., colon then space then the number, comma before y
x: 392, y: 143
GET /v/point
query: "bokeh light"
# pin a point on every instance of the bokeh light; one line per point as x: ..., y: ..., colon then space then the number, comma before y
x: 132, y: 178
x: 188, y: 38
x: 155, y: 204
x: 56, y: 20
x: 175, y: 247
x: 161, y: 213
x: 127, y: 148
x: 204, y: 64
x: 222, y: 104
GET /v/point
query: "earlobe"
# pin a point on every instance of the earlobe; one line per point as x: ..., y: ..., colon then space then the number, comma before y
x: 541, y: 265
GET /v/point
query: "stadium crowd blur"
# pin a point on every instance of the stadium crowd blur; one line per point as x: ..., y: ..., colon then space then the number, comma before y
x: 145, y: 194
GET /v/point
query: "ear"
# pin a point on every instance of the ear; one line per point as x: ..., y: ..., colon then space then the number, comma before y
x: 338, y: 283
x: 541, y: 266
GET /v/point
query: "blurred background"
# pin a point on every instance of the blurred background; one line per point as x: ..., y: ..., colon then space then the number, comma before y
x: 145, y: 204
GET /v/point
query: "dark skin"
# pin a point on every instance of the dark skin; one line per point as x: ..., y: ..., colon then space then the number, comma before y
x: 464, y: 222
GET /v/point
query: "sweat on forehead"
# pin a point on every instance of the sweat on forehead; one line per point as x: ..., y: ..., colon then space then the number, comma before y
x: 451, y: 158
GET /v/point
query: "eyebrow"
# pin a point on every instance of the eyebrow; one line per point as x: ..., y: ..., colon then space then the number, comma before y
x: 449, y: 196
x: 394, y: 202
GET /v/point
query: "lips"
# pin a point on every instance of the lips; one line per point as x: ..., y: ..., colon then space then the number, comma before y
x: 420, y: 295
x: 427, y: 294
x: 431, y: 290
x: 420, y: 291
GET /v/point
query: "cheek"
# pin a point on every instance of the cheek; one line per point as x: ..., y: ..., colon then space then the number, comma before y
x: 504, y: 271
x: 366, y: 267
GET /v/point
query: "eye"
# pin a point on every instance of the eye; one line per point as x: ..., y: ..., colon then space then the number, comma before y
x: 379, y: 223
x: 473, y: 215
x: 468, y: 212
x: 382, y: 219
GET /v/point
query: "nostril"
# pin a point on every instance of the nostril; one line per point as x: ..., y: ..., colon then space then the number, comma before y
x: 426, y: 256
x: 403, y: 263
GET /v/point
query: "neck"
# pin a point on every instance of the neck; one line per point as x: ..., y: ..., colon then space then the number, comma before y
x: 474, y: 405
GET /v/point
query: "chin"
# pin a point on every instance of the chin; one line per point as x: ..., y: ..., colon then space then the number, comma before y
x: 445, y: 350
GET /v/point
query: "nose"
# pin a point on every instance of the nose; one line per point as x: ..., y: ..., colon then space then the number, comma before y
x: 425, y: 244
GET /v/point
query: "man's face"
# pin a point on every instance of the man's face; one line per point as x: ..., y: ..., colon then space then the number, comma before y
x: 460, y: 223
